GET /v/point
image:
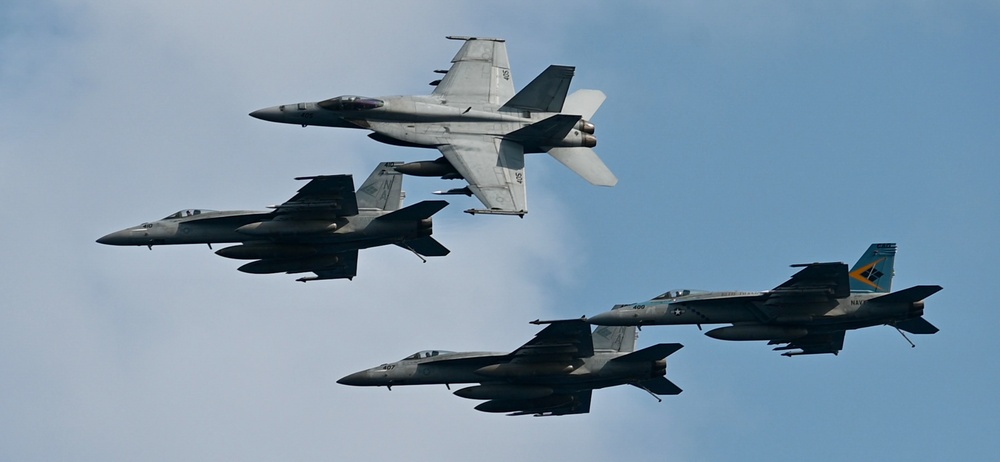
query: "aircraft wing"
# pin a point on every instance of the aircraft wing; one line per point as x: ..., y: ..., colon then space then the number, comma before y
x: 345, y: 268
x: 494, y: 169
x: 812, y: 344
x: 814, y: 282
x: 560, y: 339
x: 326, y: 196
x: 479, y: 74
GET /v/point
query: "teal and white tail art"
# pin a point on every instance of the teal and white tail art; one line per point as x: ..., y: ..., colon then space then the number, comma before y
x: 874, y: 271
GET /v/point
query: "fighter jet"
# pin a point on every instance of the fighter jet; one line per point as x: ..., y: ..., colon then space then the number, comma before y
x: 553, y: 374
x: 320, y: 229
x: 482, y: 128
x: 808, y: 314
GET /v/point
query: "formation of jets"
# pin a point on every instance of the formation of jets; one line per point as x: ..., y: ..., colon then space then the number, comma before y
x: 483, y: 129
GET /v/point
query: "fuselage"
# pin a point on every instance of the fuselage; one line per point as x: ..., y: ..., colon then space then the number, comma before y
x: 399, y: 109
x: 195, y: 226
x: 440, y: 367
x: 425, y: 121
x: 748, y: 308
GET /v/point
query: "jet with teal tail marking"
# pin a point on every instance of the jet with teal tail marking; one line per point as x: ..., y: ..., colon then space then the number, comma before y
x: 808, y: 314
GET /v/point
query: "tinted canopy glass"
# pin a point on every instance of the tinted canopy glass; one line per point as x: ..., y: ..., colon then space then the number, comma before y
x: 350, y: 103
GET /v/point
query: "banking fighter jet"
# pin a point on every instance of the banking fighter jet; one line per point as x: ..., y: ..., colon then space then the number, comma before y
x: 808, y: 314
x: 319, y: 230
x: 553, y: 374
x: 480, y: 126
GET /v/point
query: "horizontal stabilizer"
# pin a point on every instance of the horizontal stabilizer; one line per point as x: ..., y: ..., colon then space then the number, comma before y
x: 584, y: 103
x: 659, y: 386
x: 544, y: 131
x: 584, y: 162
x: 426, y: 246
x: 417, y: 211
x: 653, y: 353
x: 910, y: 295
x: 546, y: 93
x: 917, y: 325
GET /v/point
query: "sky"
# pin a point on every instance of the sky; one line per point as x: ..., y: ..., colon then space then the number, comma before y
x: 746, y: 137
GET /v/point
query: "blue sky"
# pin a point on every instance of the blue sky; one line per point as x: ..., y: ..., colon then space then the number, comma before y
x: 746, y: 137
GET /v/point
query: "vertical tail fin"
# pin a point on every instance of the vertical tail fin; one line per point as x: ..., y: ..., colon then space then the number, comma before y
x: 618, y: 338
x: 874, y: 271
x: 546, y: 93
x: 383, y: 189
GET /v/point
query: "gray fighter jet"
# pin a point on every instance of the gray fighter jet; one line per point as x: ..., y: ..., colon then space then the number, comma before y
x: 320, y: 229
x: 553, y: 374
x: 477, y: 122
x: 808, y: 314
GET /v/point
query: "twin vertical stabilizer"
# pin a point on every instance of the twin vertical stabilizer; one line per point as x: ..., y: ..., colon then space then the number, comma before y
x: 874, y: 271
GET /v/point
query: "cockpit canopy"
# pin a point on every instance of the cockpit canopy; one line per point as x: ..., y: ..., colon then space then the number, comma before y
x: 426, y: 354
x: 187, y: 213
x: 676, y: 294
x: 350, y: 103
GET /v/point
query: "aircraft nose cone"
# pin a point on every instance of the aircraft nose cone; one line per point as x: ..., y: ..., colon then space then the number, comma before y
x: 598, y: 319
x: 357, y: 379
x: 270, y: 114
x: 608, y: 318
x: 115, y: 238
